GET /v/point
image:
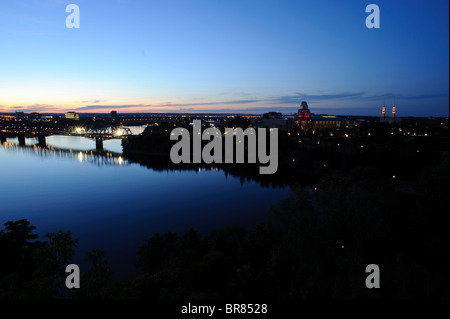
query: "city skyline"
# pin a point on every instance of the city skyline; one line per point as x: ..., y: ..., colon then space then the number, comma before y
x: 234, y: 57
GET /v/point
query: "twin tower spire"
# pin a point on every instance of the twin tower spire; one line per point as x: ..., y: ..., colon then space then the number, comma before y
x: 383, y: 115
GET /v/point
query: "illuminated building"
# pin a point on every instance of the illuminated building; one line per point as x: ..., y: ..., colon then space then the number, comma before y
x: 304, y: 116
x: 391, y: 120
x: 308, y: 121
x: 383, y: 114
x: 72, y: 116
x: 325, y: 121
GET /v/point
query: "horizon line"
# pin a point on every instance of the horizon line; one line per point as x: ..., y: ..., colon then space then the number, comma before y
x: 217, y: 114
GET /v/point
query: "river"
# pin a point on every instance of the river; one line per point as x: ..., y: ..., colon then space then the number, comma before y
x: 112, y: 204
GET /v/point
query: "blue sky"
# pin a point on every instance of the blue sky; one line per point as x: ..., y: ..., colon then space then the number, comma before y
x: 224, y: 56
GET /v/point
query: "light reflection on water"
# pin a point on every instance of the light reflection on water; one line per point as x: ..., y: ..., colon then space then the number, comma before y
x: 60, y: 147
x: 116, y: 205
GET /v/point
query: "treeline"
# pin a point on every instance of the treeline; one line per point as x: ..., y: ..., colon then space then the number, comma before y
x: 372, y: 150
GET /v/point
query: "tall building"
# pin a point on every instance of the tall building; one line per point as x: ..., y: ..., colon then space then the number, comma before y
x: 303, y: 112
x: 304, y: 116
x: 113, y: 116
x: 308, y: 121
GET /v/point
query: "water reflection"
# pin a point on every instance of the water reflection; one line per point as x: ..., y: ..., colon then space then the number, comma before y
x: 88, y: 156
x: 83, y: 150
x: 120, y: 201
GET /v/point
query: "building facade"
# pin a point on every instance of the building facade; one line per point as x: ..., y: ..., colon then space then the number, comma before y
x: 72, y: 116
x: 309, y: 121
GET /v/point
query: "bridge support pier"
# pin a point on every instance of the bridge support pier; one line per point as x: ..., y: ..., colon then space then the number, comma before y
x: 2, y: 138
x: 99, y: 145
x: 21, y: 138
x: 42, y: 140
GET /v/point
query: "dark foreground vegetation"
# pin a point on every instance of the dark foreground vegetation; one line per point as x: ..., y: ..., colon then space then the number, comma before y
x: 316, y: 244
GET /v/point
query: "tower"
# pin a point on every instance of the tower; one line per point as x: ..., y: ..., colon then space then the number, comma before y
x: 304, y: 116
x: 303, y: 112
x: 393, y: 114
x: 383, y: 114
x: 113, y: 116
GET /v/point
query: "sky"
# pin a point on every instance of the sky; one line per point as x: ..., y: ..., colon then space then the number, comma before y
x: 242, y: 56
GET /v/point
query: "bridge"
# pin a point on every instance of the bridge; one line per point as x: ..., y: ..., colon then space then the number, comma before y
x: 95, y: 133
x: 103, y: 133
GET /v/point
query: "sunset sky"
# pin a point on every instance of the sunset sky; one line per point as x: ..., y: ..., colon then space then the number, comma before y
x: 224, y: 56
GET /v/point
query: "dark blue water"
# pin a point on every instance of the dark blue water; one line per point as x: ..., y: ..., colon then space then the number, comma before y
x: 113, y: 205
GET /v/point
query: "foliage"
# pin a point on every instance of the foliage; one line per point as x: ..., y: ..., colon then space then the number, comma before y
x: 316, y: 244
x: 33, y: 269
